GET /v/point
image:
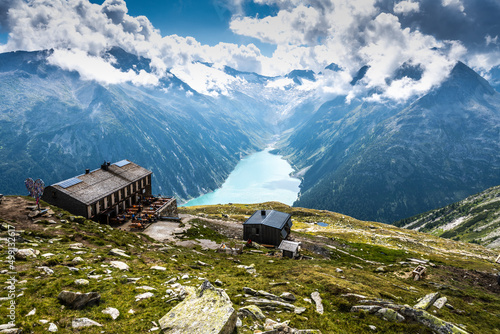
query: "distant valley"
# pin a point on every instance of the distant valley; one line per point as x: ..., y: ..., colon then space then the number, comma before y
x: 374, y: 160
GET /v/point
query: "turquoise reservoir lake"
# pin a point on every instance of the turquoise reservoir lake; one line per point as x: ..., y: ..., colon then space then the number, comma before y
x: 259, y: 177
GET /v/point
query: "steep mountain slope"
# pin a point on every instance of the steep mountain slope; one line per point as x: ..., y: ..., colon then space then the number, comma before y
x: 384, y: 163
x: 374, y: 161
x: 474, y: 219
x: 53, y: 125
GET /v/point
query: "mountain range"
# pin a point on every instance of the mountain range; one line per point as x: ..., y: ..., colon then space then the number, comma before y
x: 381, y: 161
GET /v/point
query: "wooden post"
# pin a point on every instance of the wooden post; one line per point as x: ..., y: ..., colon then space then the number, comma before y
x: 498, y: 259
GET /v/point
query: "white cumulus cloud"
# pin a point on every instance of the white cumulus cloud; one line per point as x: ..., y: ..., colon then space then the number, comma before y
x: 96, y: 68
x: 406, y: 7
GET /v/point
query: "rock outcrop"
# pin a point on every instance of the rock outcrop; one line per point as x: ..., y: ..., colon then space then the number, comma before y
x: 205, y: 310
x: 434, y: 323
x: 397, y: 313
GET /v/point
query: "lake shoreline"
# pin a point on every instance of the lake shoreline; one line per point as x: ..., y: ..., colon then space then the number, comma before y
x: 258, y: 177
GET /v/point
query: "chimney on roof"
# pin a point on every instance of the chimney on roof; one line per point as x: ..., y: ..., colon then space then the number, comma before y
x: 262, y: 212
x: 87, y: 171
x: 104, y: 166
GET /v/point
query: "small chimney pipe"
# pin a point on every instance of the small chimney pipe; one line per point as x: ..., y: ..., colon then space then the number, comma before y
x: 87, y: 171
x: 263, y: 212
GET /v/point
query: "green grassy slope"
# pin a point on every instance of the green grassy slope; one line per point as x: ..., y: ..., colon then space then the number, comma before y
x: 464, y: 273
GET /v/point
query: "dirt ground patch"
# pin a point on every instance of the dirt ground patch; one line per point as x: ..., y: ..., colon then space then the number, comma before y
x: 486, y: 281
x: 15, y: 210
x: 164, y: 231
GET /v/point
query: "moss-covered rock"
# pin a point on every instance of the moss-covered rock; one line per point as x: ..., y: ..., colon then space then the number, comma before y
x: 389, y: 315
x: 205, y: 310
x: 426, y: 301
x: 434, y: 323
x: 252, y: 311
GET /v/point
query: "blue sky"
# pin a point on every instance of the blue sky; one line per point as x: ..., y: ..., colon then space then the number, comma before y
x: 269, y: 37
x: 207, y: 21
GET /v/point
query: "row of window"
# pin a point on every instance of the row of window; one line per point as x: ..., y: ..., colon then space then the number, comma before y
x: 119, y: 195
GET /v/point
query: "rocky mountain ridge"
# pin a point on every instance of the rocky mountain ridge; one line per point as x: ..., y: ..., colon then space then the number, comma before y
x: 380, y: 162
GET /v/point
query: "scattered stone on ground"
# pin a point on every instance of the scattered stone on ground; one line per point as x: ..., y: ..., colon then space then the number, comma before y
x: 9, y: 329
x: 84, y: 322
x: 202, y: 264
x: 353, y: 295
x: 426, y: 301
x: 288, y: 296
x: 317, y: 300
x: 26, y: 253
x: 78, y: 300
x: 159, y: 268
x: 440, y: 302
x: 81, y: 281
x: 46, y: 270
x: 119, y: 265
x: 274, y: 327
x: 32, y: 312
x: 118, y: 252
x: 250, y: 269
x: 52, y: 327
x: 113, y: 312
x: 77, y: 260
x: 76, y: 246
x: 145, y: 295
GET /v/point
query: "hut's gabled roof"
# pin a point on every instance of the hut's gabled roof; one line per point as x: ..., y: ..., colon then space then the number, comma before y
x: 290, y: 246
x: 99, y: 183
x: 272, y: 218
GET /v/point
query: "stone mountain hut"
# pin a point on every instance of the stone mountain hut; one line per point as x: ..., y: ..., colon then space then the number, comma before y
x: 267, y: 227
x: 103, y: 192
